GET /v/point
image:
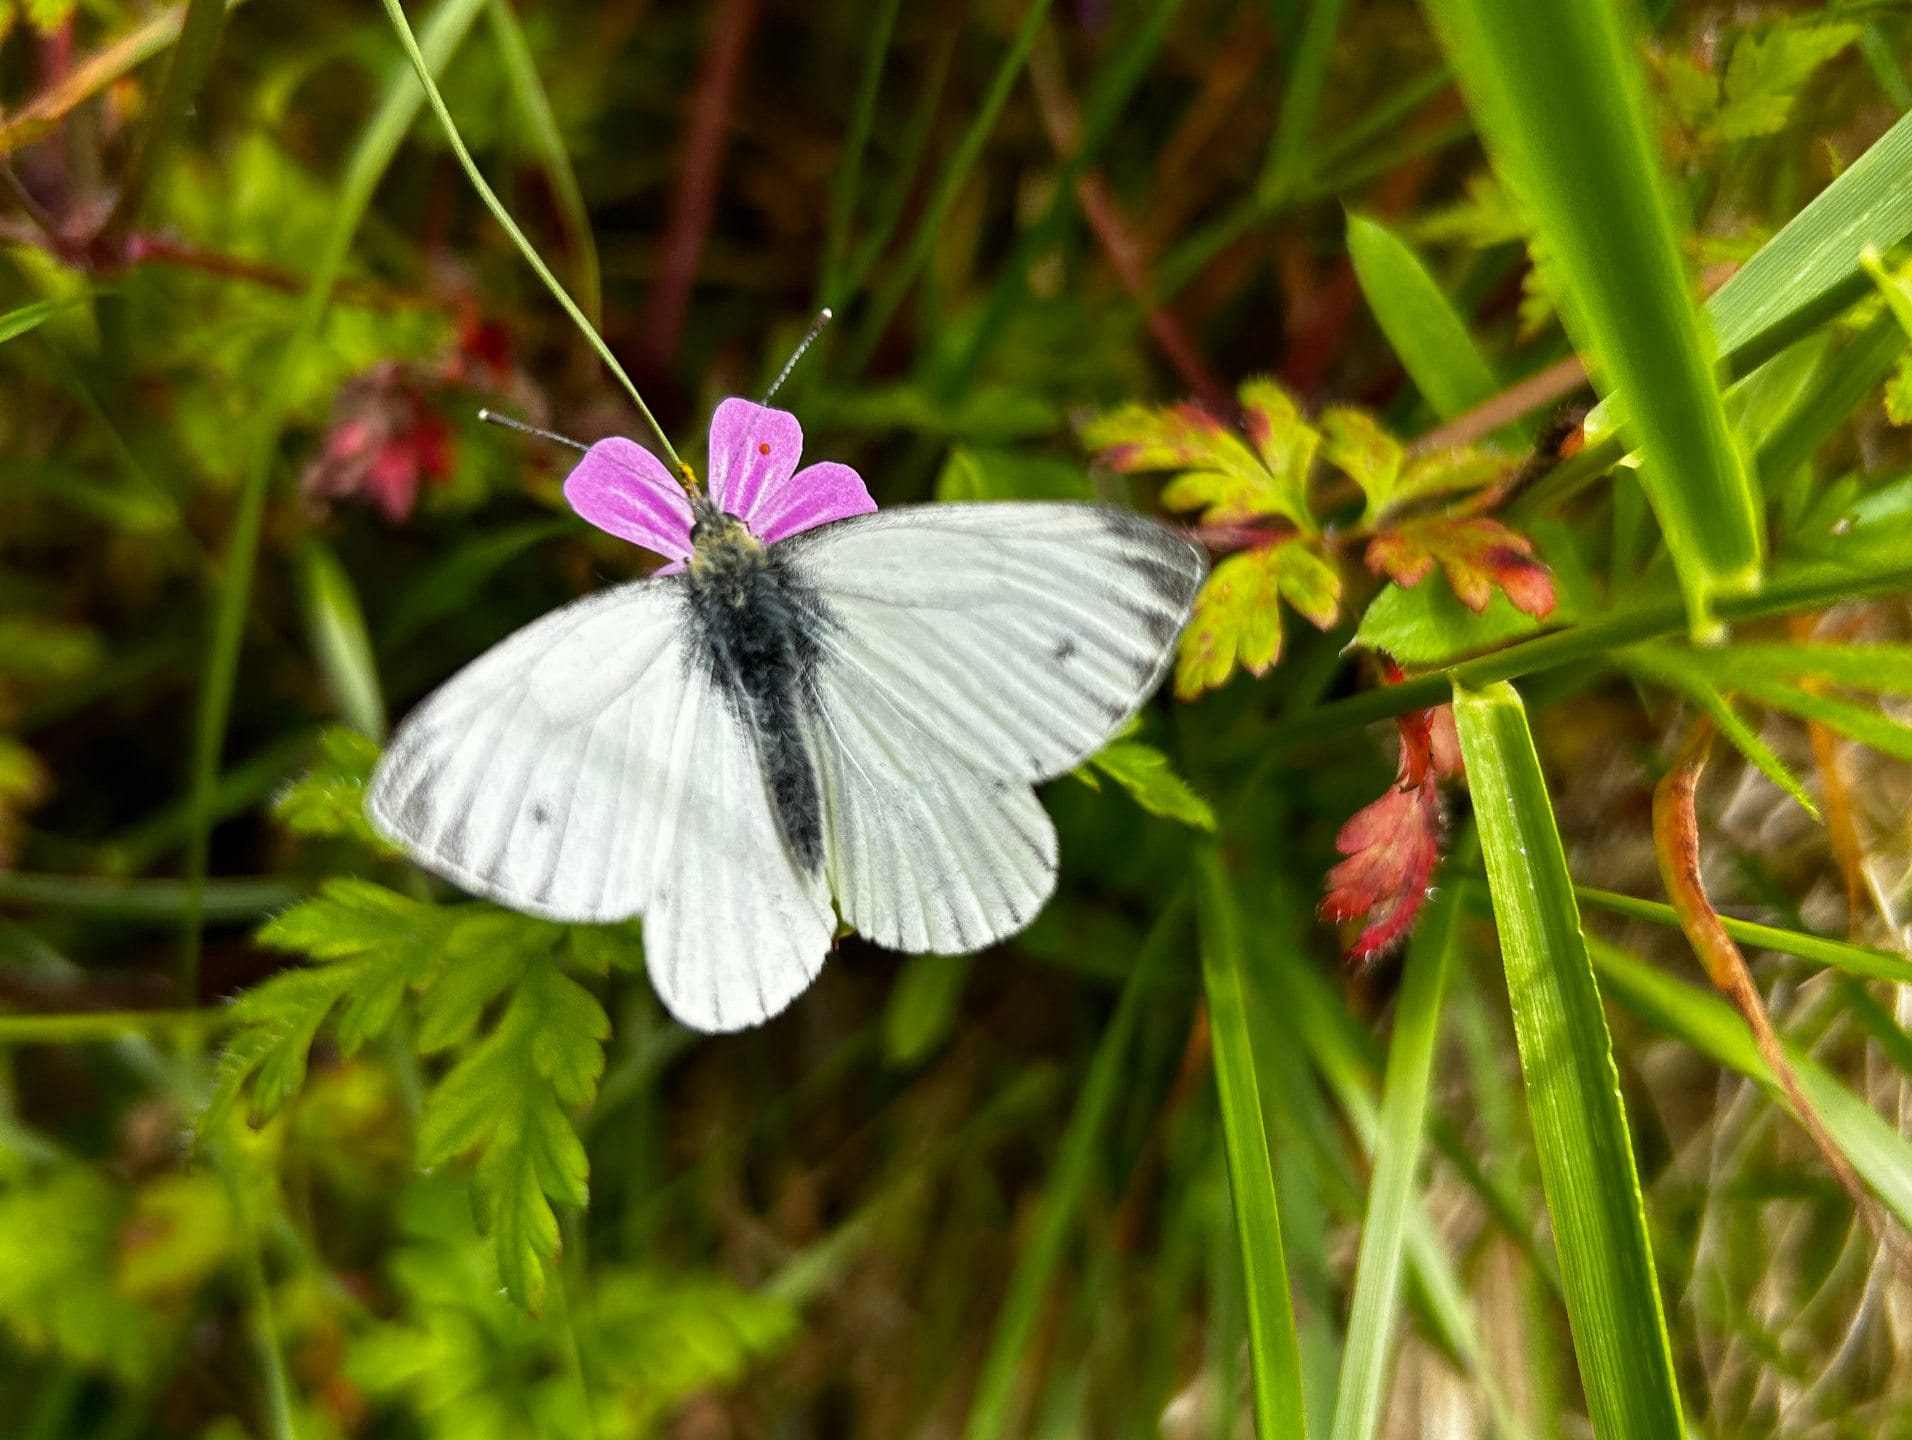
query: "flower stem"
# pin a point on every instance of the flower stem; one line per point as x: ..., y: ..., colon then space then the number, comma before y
x: 686, y: 476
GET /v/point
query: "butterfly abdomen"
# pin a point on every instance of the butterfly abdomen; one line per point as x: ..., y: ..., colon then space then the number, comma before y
x: 758, y: 629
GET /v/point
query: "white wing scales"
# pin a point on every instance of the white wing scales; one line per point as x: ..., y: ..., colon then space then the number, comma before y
x: 585, y: 770
x: 588, y: 770
x: 972, y: 650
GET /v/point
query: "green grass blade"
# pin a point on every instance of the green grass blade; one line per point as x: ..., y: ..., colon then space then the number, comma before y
x: 1701, y: 1019
x: 1812, y: 264
x: 1427, y: 333
x: 1397, y: 1151
x: 1068, y: 1185
x: 1833, y: 954
x: 955, y: 175
x: 534, y: 102
x: 1664, y: 666
x: 1850, y: 374
x: 18, y: 322
x: 1573, y: 1097
x: 1291, y: 150
x: 336, y: 623
x: 1274, y: 1348
x: 1880, y: 669
x: 1555, y: 89
x: 370, y: 160
x: 1865, y: 723
x: 847, y: 181
x: 409, y: 42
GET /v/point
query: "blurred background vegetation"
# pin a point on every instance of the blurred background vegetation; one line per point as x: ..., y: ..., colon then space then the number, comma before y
x: 293, y: 1142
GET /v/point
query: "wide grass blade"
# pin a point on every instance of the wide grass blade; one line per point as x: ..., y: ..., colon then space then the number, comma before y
x: 1573, y: 1097
x: 1397, y: 1150
x: 1555, y: 88
x: 1274, y: 1348
x: 1812, y: 264
x: 1427, y: 333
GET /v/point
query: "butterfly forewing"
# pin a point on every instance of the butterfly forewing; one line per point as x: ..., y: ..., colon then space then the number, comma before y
x: 1018, y: 636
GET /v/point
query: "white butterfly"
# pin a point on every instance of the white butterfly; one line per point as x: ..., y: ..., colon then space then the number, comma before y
x: 818, y: 703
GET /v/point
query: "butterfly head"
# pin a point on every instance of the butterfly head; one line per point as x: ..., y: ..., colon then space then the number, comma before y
x: 722, y: 547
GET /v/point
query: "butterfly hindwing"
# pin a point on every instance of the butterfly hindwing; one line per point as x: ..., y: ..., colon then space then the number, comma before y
x: 967, y: 651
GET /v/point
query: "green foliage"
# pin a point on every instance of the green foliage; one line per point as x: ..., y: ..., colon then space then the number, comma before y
x: 1573, y: 1096
x: 1419, y: 321
x: 328, y: 801
x: 473, y: 1366
x: 1766, y: 70
x: 1147, y: 775
x: 1085, y: 1182
x: 1237, y: 620
x: 1218, y: 473
x: 58, y: 1288
x: 509, y: 1096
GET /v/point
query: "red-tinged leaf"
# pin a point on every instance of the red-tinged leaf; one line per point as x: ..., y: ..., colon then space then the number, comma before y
x: 1394, y: 843
x: 1477, y: 554
x: 1221, y: 475
x: 1392, y: 847
x: 1444, y: 744
x: 1237, y: 618
x: 1276, y: 428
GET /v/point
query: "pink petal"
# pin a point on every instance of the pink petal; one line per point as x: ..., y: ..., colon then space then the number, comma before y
x: 622, y: 488
x: 753, y: 452
x: 815, y: 495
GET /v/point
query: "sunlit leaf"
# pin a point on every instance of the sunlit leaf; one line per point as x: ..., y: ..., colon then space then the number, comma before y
x: 1237, y: 620
x: 1478, y: 555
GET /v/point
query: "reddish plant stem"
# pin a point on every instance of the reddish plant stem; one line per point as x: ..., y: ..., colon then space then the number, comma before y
x: 1556, y: 382
x: 694, y: 201
x: 1062, y: 122
x: 1676, y: 844
x: 1842, y: 825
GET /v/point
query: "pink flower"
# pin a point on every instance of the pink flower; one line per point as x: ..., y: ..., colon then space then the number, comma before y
x: 623, y: 489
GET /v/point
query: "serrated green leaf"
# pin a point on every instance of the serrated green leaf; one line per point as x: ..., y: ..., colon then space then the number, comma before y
x: 507, y: 1099
x: 1221, y: 476
x: 603, y: 948
x: 1356, y: 444
x: 1146, y: 774
x: 329, y: 799
x: 370, y: 945
x: 1767, y: 71
x: 1237, y: 619
x: 491, y: 951
x: 1426, y: 625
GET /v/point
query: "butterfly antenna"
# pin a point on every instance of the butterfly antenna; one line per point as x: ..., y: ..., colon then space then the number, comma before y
x: 492, y: 417
x: 824, y: 316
